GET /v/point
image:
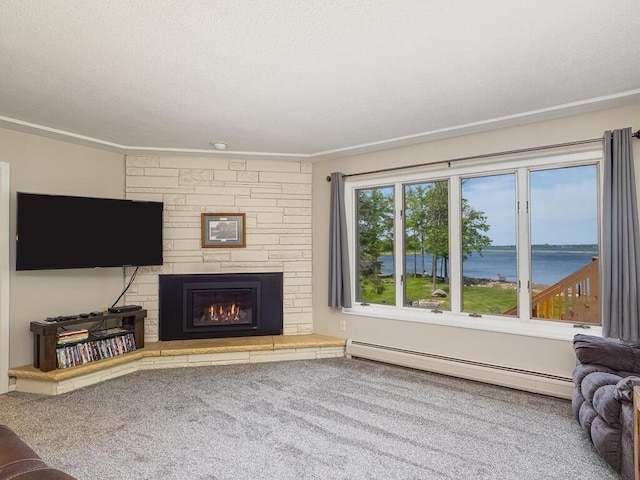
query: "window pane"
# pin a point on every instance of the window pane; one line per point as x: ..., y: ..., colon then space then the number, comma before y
x: 375, y: 280
x: 426, y: 236
x: 564, y: 244
x: 489, y: 259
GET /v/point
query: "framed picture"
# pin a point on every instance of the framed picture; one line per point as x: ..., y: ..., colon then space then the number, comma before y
x: 223, y: 230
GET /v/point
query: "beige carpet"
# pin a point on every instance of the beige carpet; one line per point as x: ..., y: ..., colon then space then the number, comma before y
x: 317, y: 419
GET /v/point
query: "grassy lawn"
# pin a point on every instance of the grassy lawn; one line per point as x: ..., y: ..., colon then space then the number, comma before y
x: 476, y: 299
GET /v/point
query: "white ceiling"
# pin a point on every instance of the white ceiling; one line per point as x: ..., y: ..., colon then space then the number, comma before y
x: 307, y: 79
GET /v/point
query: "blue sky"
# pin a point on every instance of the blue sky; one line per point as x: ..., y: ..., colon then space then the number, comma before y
x: 563, y: 205
x: 496, y: 197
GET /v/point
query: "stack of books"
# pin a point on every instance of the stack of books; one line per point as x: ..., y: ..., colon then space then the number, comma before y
x: 71, y: 337
x: 99, y: 349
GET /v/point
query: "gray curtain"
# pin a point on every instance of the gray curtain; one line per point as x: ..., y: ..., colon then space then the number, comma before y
x: 339, y: 286
x: 621, y: 242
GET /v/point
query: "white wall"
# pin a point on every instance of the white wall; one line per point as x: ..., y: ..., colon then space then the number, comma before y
x: 274, y: 195
x: 43, y: 165
x: 517, y: 351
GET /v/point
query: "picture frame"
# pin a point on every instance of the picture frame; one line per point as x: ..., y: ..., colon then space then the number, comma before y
x: 223, y: 230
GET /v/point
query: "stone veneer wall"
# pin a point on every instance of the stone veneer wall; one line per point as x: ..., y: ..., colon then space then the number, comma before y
x: 274, y: 195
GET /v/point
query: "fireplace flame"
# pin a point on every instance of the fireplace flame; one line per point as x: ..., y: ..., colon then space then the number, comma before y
x: 222, y: 313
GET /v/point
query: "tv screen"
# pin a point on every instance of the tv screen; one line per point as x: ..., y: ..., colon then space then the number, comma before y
x: 58, y: 231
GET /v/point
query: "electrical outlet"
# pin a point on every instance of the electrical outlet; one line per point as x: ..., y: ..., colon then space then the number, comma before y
x: 343, y: 325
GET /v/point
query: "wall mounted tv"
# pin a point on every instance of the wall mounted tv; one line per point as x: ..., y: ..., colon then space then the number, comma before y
x: 59, y: 231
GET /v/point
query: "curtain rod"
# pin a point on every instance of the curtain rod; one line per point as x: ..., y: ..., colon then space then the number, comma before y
x: 485, y: 155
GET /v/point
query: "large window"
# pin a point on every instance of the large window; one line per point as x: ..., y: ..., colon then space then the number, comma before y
x: 375, y: 264
x: 489, y: 258
x: 426, y: 245
x: 515, y: 240
x: 564, y: 244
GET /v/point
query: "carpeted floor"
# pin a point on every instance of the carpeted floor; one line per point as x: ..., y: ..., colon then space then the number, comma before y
x: 316, y: 419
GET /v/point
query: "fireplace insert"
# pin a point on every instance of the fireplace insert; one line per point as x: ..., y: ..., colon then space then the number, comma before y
x: 220, y: 305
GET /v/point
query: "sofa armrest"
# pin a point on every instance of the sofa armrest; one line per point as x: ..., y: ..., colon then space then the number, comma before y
x: 612, y: 353
x: 624, y: 388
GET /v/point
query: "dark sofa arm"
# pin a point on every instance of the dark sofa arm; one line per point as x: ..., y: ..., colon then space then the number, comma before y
x: 19, y: 462
x: 612, y: 353
x: 624, y: 388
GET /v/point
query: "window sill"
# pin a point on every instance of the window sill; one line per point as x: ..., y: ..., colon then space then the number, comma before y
x: 513, y: 326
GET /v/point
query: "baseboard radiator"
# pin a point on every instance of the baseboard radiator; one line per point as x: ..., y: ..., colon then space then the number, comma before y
x: 519, y: 379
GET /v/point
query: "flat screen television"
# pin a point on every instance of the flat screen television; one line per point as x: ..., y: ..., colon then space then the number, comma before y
x: 60, y: 232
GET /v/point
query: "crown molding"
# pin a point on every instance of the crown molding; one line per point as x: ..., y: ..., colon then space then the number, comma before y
x: 558, y: 111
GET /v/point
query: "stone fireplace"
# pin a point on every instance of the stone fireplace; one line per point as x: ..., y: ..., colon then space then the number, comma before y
x: 275, y: 195
x: 197, y: 306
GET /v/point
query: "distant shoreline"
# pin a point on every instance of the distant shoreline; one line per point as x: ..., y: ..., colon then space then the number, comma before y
x: 573, y: 248
x: 499, y: 264
x: 483, y: 282
x: 490, y: 282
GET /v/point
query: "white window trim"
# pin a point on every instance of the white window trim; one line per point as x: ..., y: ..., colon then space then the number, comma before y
x: 509, y: 325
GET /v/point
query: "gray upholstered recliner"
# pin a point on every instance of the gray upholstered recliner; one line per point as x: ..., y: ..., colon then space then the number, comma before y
x: 604, y: 377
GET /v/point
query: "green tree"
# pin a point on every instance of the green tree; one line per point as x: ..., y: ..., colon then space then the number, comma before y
x: 436, y: 206
x: 375, y: 235
x: 474, y: 227
x: 427, y: 225
x: 415, y: 224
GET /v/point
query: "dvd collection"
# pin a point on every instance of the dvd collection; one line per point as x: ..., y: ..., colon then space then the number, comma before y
x: 80, y: 353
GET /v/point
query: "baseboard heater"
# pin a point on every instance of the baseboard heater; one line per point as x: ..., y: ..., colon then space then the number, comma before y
x: 520, y: 379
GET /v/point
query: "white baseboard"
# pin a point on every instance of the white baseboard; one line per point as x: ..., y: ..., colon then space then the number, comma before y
x: 529, y: 381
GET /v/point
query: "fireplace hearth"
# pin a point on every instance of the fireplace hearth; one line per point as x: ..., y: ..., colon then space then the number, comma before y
x: 220, y: 305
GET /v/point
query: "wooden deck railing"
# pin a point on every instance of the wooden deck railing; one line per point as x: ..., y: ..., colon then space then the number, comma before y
x: 575, y: 298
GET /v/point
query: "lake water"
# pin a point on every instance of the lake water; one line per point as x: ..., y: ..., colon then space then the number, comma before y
x: 550, y: 263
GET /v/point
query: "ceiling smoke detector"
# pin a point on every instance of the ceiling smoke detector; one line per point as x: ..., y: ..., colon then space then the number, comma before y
x: 219, y: 145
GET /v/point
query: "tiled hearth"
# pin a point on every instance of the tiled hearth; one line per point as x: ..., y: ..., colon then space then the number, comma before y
x: 180, y: 353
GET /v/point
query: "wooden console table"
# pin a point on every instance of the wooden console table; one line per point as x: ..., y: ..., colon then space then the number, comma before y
x: 46, y: 341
